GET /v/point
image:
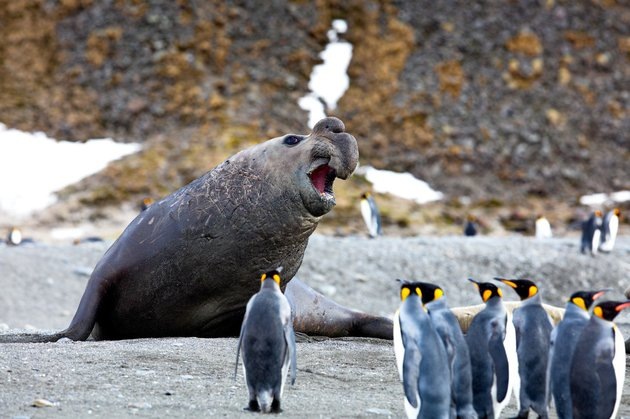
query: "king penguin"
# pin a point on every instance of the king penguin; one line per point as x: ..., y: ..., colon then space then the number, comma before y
x: 420, y: 358
x: 610, y: 225
x: 563, y: 340
x: 267, y: 341
x: 470, y: 229
x: 591, y: 233
x: 371, y: 215
x: 492, y: 344
x: 599, y: 364
x: 14, y: 236
x: 533, y: 333
x: 543, y: 228
x: 457, y: 353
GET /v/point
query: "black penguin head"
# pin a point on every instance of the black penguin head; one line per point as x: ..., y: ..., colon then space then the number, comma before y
x: 365, y: 195
x: 407, y: 288
x: 584, y: 299
x: 429, y: 292
x: 608, y: 310
x: 487, y: 290
x: 617, y: 212
x: 273, y: 274
x: 523, y: 287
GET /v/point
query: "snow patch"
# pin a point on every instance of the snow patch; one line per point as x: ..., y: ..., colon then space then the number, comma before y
x: 34, y: 166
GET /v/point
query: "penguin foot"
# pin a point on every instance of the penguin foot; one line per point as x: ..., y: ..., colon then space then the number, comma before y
x: 275, y: 406
x: 252, y: 406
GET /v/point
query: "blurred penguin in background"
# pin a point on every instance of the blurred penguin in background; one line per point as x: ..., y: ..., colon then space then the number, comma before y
x: 371, y: 215
x: 610, y: 225
x: 470, y: 229
x: 543, y: 228
x: 598, y: 367
x: 563, y: 341
x: 591, y: 233
x: 14, y: 236
x: 146, y: 203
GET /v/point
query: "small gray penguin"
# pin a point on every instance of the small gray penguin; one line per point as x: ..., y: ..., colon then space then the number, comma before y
x: 267, y: 341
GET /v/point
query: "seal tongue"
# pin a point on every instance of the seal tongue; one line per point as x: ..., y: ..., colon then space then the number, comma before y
x: 319, y: 177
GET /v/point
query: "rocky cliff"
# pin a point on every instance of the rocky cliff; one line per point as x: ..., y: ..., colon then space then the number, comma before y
x: 520, y: 106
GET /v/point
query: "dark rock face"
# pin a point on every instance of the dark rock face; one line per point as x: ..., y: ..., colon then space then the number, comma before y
x: 498, y: 94
x: 495, y: 101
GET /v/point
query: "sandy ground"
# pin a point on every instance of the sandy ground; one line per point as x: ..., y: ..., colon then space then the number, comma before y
x: 42, y: 284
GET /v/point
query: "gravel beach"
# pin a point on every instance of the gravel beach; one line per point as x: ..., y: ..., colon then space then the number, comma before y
x: 187, y: 377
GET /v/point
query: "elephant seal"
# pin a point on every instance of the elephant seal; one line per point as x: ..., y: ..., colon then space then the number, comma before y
x: 188, y: 264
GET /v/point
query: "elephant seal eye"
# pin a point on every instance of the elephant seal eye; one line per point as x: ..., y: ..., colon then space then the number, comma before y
x: 292, y: 140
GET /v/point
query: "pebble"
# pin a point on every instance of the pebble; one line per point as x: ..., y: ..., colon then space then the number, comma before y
x: 43, y: 403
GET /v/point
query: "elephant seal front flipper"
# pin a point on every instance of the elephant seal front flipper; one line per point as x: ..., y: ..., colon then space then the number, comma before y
x: 314, y: 314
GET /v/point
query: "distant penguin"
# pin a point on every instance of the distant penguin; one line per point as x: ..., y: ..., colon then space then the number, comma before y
x: 492, y: 344
x: 563, y: 340
x: 14, y: 237
x: 450, y: 332
x: 533, y: 333
x: 88, y: 239
x: 599, y: 364
x: 470, y: 229
x: 591, y: 233
x: 543, y: 228
x: 146, y: 203
x: 267, y: 341
x: 421, y: 359
x: 371, y: 215
x: 610, y: 225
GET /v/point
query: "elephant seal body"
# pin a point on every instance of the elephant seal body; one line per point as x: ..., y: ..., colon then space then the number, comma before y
x: 188, y: 264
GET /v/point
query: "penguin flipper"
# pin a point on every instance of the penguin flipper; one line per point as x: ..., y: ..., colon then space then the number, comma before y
x: 608, y: 383
x: 289, y: 336
x: 238, y: 349
x: 411, y: 374
x: 501, y: 365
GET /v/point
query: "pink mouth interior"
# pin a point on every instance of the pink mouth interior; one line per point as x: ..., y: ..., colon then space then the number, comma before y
x: 318, y: 177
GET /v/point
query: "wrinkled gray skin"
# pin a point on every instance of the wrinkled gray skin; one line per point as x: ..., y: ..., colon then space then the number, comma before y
x: 188, y: 264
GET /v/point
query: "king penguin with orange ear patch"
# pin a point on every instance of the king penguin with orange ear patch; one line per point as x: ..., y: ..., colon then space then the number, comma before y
x: 492, y: 345
x: 533, y: 333
x: 450, y: 332
x: 268, y: 344
x: 420, y: 358
x: 563, y: 340
x: 599, y: 364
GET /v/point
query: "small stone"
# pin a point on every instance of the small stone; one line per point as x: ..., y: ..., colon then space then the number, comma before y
x: 139, y: 405
x: 42, y: 403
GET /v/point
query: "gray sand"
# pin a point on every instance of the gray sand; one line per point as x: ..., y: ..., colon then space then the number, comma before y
x: 42, y: 284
